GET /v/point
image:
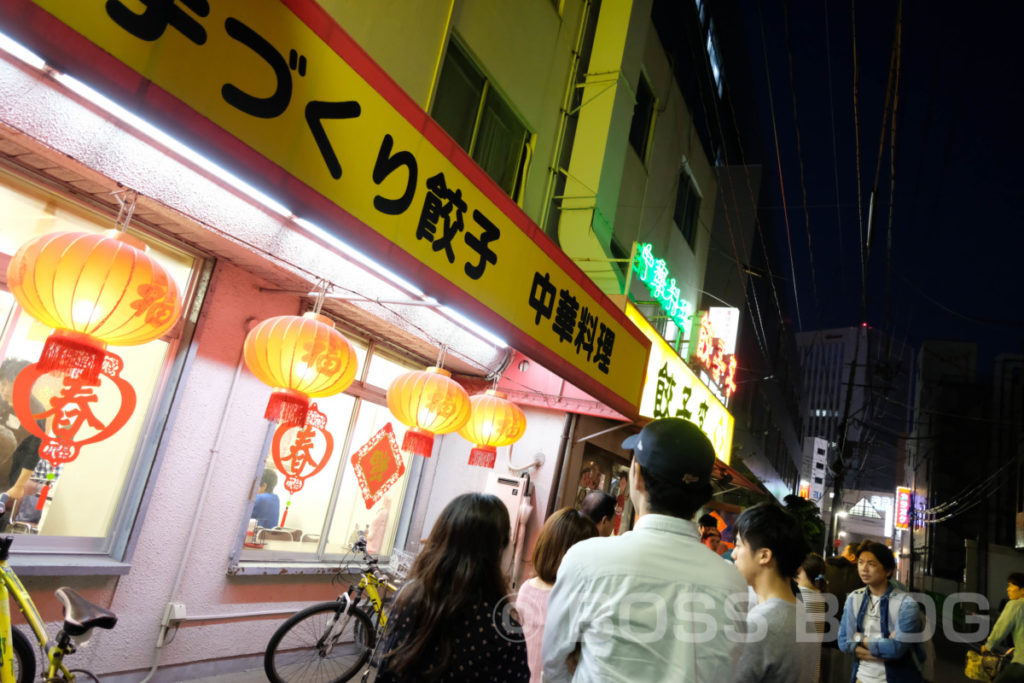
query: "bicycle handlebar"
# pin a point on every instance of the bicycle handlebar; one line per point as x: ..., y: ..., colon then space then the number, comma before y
x: 374, y: 564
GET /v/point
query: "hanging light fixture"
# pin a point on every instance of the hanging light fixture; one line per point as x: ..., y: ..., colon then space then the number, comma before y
x: 428, y: 402
x: 93, y: 289
x: 300, y: 356
x: 495, y: 422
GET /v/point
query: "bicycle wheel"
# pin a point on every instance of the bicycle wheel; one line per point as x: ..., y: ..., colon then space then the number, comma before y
x: 319, y: 645
x: 24, y: 657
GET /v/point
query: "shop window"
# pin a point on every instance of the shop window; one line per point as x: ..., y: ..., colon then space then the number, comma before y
x: 643, y: 118
x: 325, y: 516
x: 87, y: 505
x: 687, y: 208
x: 473, y: 112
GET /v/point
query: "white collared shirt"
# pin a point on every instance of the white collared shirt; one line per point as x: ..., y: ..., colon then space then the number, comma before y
x: 654, y: 604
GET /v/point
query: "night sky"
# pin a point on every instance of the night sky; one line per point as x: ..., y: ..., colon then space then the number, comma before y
x: 954, y: 270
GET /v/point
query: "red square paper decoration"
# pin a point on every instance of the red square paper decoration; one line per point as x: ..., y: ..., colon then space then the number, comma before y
x: 378, y: 465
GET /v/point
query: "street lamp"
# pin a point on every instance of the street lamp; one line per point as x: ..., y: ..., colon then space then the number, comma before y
x: 835, y: 527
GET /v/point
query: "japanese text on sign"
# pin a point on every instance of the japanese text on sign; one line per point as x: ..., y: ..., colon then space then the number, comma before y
x: 710, y: 353
x: 902, y: 508
x: 574, y: 325
x: 672, y: 390
x: 653, y: 272
x: 261, y: 74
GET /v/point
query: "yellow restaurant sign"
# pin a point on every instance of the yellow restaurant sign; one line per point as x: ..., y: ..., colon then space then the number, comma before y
x: 672, y: 390
x: 257, y: 71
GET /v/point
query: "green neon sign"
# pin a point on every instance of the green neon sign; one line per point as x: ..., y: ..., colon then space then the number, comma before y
x: 653, y: 272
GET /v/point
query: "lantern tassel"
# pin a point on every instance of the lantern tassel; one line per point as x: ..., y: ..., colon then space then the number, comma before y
x: 43, y: 495
x: 285, y: 515
x: 418, y: 442
x: 483, y: 456
x: 287, y: 407
x: 73, y: 356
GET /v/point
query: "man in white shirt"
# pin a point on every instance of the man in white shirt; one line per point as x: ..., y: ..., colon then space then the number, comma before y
x: 653, y: 604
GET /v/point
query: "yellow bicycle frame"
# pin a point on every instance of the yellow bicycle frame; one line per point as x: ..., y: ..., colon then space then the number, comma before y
x: 370, y: 584
x: 11, y: 586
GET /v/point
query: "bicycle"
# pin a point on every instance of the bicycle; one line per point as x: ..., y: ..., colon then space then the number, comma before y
x: 17, y: 655
x: 332, y: 641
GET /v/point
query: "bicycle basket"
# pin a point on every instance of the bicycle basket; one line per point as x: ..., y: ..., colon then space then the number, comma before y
x: 983, y: 667
x: 401, y: 563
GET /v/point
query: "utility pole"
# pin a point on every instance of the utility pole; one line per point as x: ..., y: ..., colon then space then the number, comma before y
x: 839, y: 469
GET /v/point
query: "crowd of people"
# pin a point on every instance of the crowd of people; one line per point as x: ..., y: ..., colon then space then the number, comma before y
x: 654, y: 604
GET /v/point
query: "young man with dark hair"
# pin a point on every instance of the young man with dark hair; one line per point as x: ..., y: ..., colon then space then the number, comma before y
x: 651, y: 604
x: 877, y: 620
x: 1010, y: 624
x: 266, y: 509
x: 600, y: 508
x: 769, y: 548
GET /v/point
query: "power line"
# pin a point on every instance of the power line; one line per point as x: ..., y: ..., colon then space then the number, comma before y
x: 971, y: 318
x: 800, y: 160
x: 757, y: 218
x: 887, y: 320
x: 860, y: 197
x: 778, y: 159
x: 835, y: 156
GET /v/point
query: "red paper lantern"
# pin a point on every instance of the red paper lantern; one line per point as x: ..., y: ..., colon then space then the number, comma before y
x: 300, y: 357
x: 428, y: 402
x: 94, y: 289
x: 495, y: 421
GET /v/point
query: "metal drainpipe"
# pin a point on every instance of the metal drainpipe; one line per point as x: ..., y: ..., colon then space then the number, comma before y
x: 570, y: 89
x: 190, y: 538
x: 563, y: 450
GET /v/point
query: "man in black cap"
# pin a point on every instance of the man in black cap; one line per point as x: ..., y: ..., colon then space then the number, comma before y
x: 654, y: 603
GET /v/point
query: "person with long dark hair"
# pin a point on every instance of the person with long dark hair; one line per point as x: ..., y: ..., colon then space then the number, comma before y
x: 447, y: 625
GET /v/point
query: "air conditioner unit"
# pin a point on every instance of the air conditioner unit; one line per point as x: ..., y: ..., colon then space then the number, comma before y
x: 517, y: 495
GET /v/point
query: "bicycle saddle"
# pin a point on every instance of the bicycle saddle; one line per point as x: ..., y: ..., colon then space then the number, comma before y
x: 80, y: 615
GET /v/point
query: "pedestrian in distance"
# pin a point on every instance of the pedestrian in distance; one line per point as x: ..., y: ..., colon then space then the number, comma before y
x: 447, y: 623
x: 652, y: 604
x: 810, y: 578
x: 600, y: 508
x: 562, y: 530
x: 712, y: 538
x: 1010, y: 624
x: 881, y: 624
x: 769, y: 548
x: 842, y: 579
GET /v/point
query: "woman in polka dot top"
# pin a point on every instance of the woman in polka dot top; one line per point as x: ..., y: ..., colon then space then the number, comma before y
x: 452, y: 621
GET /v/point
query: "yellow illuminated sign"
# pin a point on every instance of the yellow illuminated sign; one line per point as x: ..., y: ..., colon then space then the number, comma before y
x: 257, y: 71
x: 672, y: 390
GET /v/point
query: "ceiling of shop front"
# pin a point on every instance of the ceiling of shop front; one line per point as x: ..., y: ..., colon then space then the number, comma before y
x: 416, y: 330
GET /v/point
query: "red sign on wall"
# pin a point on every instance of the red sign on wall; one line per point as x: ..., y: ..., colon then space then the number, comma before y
x: 902, y: 508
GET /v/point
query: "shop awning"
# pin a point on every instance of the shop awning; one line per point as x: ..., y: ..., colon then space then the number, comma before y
x: 726, y: 476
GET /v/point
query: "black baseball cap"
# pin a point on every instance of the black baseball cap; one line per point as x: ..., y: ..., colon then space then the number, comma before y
x: 675, y: 450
